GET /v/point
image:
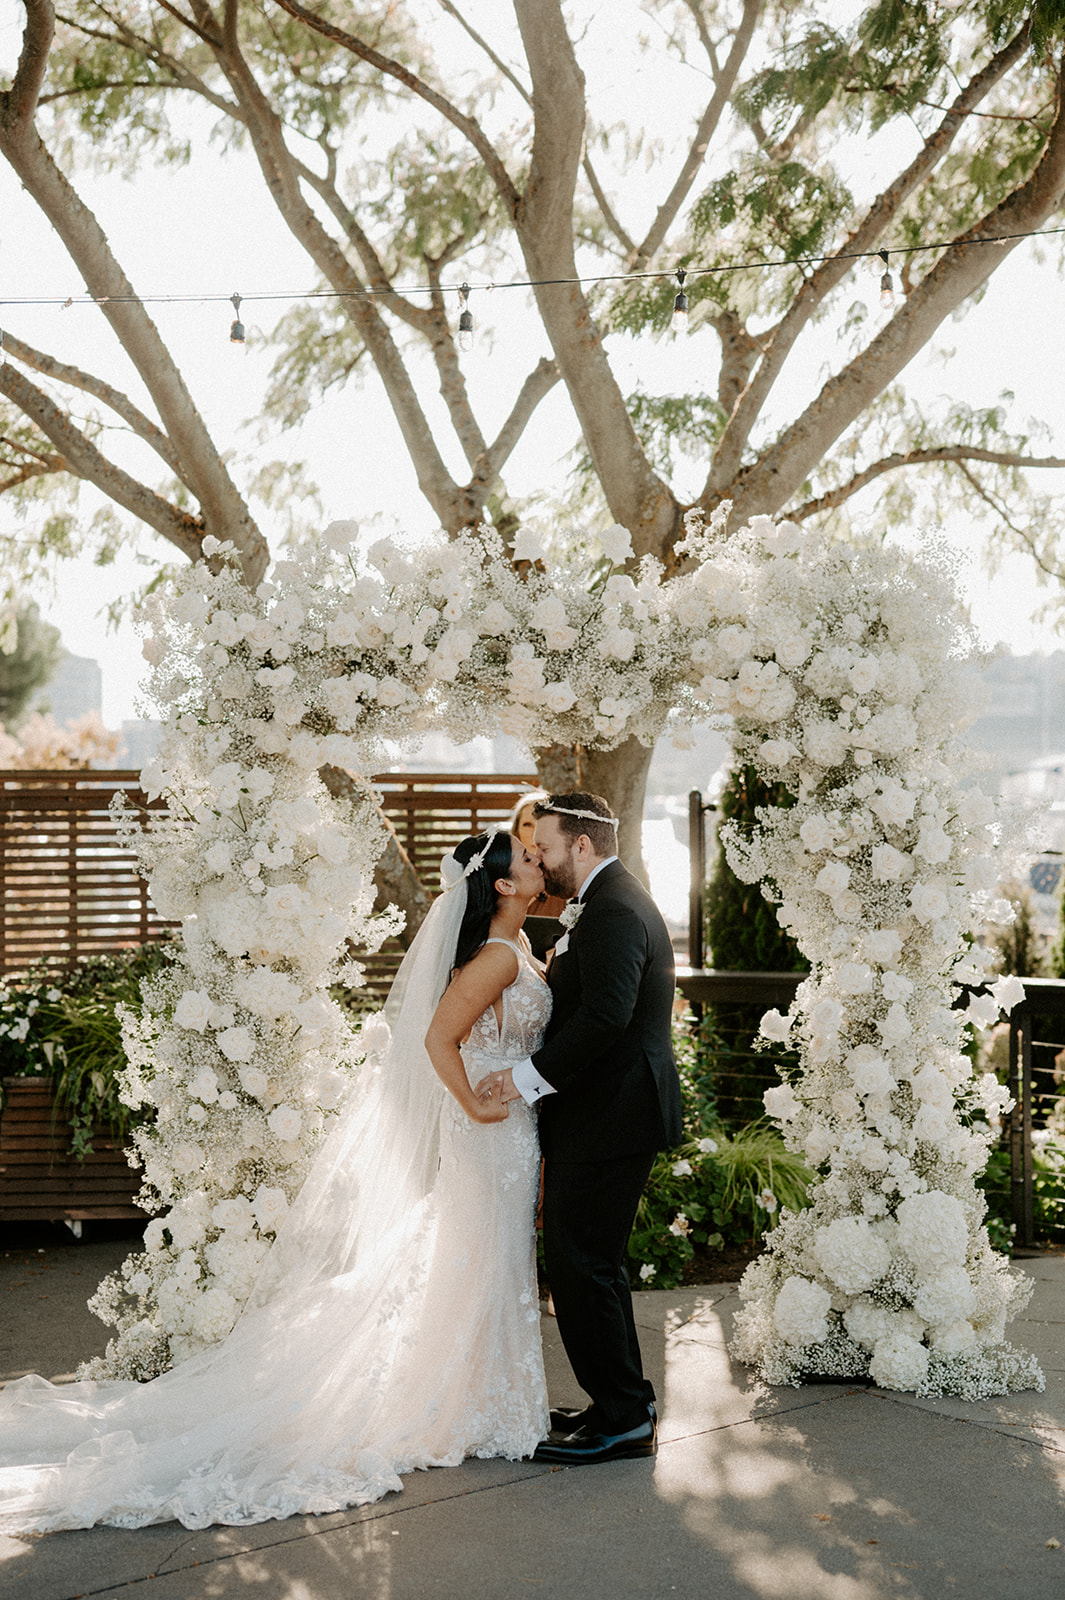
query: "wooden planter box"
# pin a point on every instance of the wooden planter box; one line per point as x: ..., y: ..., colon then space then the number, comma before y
x: 40, y: 1181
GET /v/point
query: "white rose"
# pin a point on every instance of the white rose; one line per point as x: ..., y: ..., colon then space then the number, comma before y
x: 270, y: 1207
x: 928, y: 902
x: 391, y: 692
x: 285, y: 900
x: 285, y: 1123
x: 894, y: 806
x: 774, y: 1026
x: 219, y: 857
x: 889, y: 864
x: 236, y: 1044
x: 187, y: 1157
x: 780, y: 1102
x: 895, y: 1027
x: 529, y: 544
x: 833, y: 878
x: 234, y: 1214
x: 193, y: 1010
x: 205, y: 1086
x: 617, y: 544
x: 495, y: 619
x: 817, y: 833
x: 864, y: 675
x: 883, y: 946
x: 559, y: 697
x: 933, y: 845
x: 253, y: 1081
x: 777, y: 752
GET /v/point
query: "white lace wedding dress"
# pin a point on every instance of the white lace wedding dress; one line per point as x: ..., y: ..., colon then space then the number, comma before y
x: 369, y: 1348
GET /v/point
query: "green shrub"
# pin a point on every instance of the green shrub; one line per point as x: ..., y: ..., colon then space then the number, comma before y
x: 721, y: 1186
x: 1048, y: 1190
x: 62, y: 1024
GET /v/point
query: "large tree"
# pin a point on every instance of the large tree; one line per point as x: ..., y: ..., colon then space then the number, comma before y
x: 400, y: 175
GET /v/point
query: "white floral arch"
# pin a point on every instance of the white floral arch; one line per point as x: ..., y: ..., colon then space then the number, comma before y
x: 841, y: 669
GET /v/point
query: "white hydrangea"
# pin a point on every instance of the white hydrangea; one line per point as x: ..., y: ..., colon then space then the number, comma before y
x: 800, y: 1311
x: 851, y: 1255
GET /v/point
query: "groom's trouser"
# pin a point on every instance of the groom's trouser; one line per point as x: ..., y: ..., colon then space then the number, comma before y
x: 588, y: 1213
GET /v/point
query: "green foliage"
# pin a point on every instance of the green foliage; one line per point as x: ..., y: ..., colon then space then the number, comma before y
x: 63, y: 1024
x: 711, y: 1191
x: 720, y: 1187
x: 1048, y: 1191
x: 741, y: 926
x: 29, y: 666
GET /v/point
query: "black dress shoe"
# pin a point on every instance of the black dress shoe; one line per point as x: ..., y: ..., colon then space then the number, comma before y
x: 587, y: 1448
x: 567, y: 1419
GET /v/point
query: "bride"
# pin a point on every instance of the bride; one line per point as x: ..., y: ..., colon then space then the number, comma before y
x: 395, y: 1324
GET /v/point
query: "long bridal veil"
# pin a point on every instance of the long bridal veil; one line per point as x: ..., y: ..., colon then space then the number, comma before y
x: 352, y: 1361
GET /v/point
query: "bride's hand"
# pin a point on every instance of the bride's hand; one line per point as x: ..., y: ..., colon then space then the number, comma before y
x: 489, y: 1105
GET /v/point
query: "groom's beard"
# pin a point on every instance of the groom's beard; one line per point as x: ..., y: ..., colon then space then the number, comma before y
x: 560, y: 881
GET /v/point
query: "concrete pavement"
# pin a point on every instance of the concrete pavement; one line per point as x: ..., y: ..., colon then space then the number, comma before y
x: 821, y: 1493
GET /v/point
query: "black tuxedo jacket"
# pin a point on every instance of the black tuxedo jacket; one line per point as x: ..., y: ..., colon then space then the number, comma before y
x: 608, y: 1050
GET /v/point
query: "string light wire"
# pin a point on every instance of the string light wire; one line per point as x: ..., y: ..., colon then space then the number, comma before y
x: 690, y: 274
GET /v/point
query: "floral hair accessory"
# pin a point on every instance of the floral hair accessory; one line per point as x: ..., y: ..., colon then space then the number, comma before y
x: 452, y: 872
x: 588, y: 816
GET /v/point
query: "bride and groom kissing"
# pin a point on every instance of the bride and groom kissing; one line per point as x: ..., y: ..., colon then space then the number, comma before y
x: 395, y: 1324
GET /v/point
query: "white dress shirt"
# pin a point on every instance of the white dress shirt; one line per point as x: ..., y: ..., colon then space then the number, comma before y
x: 528, y: 1082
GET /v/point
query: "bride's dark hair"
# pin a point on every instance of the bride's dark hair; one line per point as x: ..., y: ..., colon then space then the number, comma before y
x: 480, y: 890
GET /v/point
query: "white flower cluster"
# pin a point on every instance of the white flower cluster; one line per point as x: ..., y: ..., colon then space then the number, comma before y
x: 841, y: 668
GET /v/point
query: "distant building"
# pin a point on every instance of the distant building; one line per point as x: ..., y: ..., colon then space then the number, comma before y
x: 1023, y: 720
x: 75, y: 688
x: 140, y: 741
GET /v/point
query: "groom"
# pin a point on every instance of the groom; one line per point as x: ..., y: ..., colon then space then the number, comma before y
x: 609, y: 1098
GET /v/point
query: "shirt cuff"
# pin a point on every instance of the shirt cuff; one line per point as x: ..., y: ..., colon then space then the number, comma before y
x: 529, y: 1083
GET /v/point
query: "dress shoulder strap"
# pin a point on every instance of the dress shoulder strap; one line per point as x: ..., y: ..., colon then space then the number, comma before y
x: 510, y: 944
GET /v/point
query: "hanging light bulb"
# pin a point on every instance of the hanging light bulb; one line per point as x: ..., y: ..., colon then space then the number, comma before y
x: 887, y: 287
x: 680, y: 305
x: 236, y: 327
x: 465, y: 319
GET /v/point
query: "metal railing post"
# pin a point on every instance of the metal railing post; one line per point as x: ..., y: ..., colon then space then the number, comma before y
x: 697, y: 877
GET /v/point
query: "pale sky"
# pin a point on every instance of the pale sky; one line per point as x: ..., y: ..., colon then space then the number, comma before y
x: 209, y: 229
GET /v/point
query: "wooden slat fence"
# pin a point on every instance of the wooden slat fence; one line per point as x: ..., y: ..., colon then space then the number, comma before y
x: 68, y: 887
x: 40, y: 1181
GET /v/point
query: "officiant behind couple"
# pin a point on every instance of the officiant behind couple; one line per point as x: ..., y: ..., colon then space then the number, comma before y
x: 395, y: 1324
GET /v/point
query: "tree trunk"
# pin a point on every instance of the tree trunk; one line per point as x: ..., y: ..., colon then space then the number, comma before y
x: 396, y: 881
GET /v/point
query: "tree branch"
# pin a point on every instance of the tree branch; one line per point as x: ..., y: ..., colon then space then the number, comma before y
x: 449, y: 371
x: 610, y: 217
x: 989, y: 499
x: 482, y: 44
x: 724, y: 82
x: 544, y: 220
x: 19, y: 104
x: 450, y: 502
x: 117, y: 402
x: 82, y: 458
x: 771, y: 481
x: 539, y: 382
x: 467, y: 126
x: 224, y: 511
x: 917, y: 458
x: 780, y: 340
